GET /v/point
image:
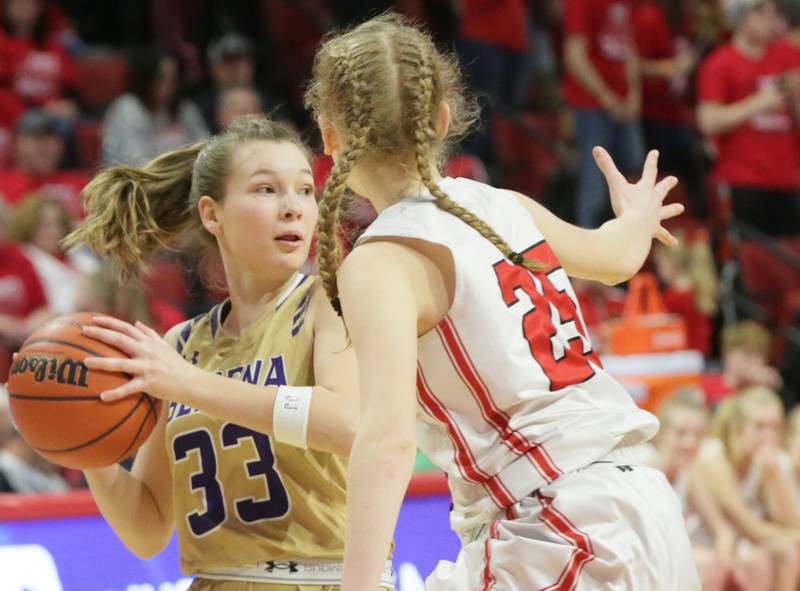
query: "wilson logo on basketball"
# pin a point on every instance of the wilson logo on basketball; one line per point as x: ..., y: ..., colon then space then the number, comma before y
x: 63, y: 371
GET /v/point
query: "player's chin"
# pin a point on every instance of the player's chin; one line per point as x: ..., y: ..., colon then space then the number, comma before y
x: 288, y: 261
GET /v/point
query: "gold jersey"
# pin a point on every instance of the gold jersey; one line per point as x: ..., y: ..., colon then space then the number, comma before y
x: 239, y: 496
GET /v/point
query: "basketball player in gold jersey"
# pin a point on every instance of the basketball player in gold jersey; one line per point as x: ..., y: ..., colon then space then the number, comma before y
x: 247, y: 459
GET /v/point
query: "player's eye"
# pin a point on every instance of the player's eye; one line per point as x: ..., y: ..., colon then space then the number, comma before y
x: 266, y: 189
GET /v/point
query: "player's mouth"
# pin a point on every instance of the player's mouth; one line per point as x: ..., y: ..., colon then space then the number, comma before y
x: 289, y: 241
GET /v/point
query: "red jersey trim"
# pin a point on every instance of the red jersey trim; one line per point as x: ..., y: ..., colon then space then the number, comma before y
x: 499, y: 420
x: 464, y: 458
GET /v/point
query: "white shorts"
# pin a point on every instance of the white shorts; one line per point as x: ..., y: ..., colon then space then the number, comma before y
x: 613, y: 525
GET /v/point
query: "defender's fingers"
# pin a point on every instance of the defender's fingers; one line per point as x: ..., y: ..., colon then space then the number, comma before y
x: 650, y: 170
x: 605, y: 163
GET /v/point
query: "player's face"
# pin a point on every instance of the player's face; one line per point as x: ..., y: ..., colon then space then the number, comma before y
x: 762, y: 427
x: 682, y: 438
x: 267, y: 218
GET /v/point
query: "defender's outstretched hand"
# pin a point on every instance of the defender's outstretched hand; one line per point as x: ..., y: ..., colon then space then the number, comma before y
x: 645, y: 198
x: 155, y: 367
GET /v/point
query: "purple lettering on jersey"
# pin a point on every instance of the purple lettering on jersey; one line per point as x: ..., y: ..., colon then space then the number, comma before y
x: 252, y: 372
x: 235, y: 370
x: 177, y: 410
x: 276, y: 376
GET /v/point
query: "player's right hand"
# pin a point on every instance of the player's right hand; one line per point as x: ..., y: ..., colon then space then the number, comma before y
x: 156, y: 367
x: 645, y: 198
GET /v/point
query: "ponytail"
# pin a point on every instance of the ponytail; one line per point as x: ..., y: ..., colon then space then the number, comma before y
x: 133, y: 212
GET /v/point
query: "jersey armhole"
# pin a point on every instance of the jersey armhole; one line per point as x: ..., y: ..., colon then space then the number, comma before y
x: 307, y: 330
x: 407, y: 241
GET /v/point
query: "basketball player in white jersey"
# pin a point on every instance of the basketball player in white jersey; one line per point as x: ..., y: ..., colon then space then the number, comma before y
x: 471, y: 344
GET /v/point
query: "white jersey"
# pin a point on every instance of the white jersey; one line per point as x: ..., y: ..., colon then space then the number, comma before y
x: 511, y: 395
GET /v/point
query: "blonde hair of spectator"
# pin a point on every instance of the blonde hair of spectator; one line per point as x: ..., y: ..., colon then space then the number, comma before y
x: 746, y: 335
x: 684, y: 398
x: 695, y: 259
x: 732, y: 413
x: 381, y: 85
x: 130, y: 303
x: 26, y: 216
x: 133, y: 212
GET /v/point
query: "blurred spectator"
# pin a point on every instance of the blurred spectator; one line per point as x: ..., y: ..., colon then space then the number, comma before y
x: 22, y: 470
x: 750, y: 476
x: 101, y: 292
x: 39, y: 149
x: 23, y: 304
x: 790, y: 49
x: 690, y: 286
x: 232, y: 64
x: 602, y: 86
x: 33, y: 61
x: 745, y: 348
x: 493, y: 42
x: 492, y: 47
x: 237, y: 101
x: 11, y: 109
x: 153, y: 117
x: 599, y: 303
x: 742, y: 105
x: 793, y: 448
x: 40, y: 223
x: 684, y: 423
x: 667, y: 58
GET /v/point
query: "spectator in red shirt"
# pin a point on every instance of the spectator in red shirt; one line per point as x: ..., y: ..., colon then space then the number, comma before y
x: 602, y: 86
x: 743, y: 106
x: 33, y: 61
x: 667, y: 60
x: 39, y: 152
x: 492, y: 45
x: 23, y: 304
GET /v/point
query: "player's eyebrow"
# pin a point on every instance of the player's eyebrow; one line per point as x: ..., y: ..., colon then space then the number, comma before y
x: 269, y: 171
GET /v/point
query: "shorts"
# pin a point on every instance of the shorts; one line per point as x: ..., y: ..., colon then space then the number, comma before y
x: 614, y: 525
x: 212, y: 585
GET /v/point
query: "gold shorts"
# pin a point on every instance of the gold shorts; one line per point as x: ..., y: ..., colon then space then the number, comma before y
x: 209, y: 585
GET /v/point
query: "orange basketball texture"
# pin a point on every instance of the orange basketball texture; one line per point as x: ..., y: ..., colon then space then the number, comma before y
x: 55, y: 399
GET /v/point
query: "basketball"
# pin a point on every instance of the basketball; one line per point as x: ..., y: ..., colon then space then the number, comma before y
x: 55, y: 399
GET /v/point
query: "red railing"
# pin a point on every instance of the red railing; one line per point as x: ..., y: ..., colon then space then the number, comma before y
x: 79, y: 503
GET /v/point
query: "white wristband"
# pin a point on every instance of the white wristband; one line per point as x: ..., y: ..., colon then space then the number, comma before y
x: 290, y: 415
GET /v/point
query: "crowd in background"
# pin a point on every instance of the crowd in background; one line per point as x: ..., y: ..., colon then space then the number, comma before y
x: 714, y: 85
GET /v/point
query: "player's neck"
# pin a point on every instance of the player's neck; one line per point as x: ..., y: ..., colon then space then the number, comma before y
x: 385, y: 185
x: 251, y: 295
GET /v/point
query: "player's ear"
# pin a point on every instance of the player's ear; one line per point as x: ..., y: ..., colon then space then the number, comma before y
x: 443, y: 121
x: 330, y: 137
x: 209, y: 214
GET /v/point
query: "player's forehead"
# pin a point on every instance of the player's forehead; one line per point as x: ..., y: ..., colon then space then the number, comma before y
x: 267, y: 157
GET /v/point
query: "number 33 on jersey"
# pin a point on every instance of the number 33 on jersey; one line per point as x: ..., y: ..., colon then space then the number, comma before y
x: 239, y: 497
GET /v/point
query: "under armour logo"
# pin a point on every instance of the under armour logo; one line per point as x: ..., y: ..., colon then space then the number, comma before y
x: 624, y: 468
x: 271, y: 565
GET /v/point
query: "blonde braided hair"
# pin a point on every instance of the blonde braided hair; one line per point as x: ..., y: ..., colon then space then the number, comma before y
x: 425, y: 136
x: 348, y: 73
x: 390, y: 117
